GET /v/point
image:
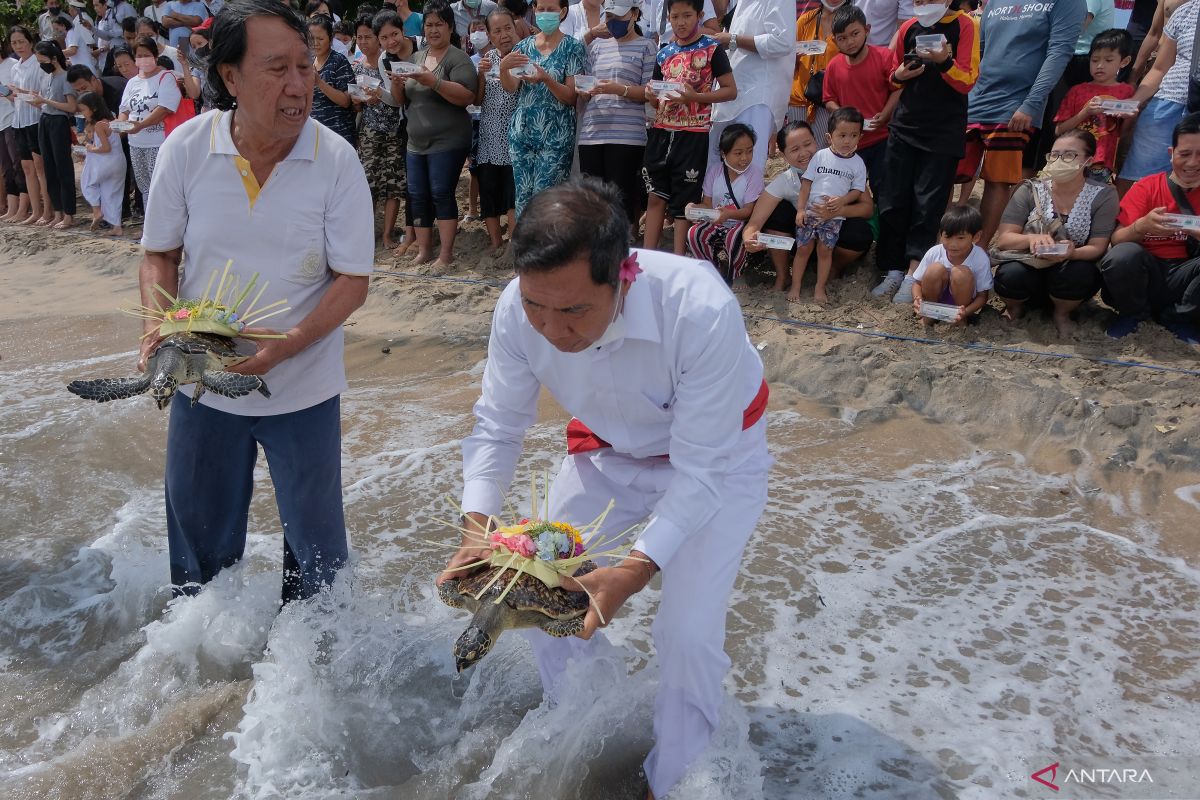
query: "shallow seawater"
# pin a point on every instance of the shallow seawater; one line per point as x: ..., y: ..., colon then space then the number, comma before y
x: 916, y: 618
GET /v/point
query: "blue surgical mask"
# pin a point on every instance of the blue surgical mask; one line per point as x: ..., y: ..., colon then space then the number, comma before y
x: 618, y: 27
x: 547, y: 21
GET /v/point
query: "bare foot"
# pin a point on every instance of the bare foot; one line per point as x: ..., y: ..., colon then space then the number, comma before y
x: 1064, y: 325
x: 402, y: 248
x: 423, y: 258
x: 43, y: 222
x: 116, y: 232
x: 442, y: 263
x: 779, y: 287
x: 794, y: 297
x: 1012, y: 313
x: 95, y: 226
x: 64, y: 224
x: 822, y: 298
x: 30, y: 220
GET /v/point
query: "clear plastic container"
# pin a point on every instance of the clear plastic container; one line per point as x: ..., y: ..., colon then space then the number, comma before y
x: 1120, y: 106
x: 405, y: 68
x: 121, y: 126
x: 701, y: 214
x: 776, y: 242
x: 525, y: 71
x: 943, y: 312
x: 810, y: 47
x: 1184, y: 222
x: 367, y: 82
x: 664, y: 87
x: 1056, y: 249
x: 585, y: 83
x: 930, y: 42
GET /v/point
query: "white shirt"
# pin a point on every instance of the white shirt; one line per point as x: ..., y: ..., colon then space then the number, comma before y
x: 678, y: 382
x: 7, y: 106
x: 155, y: 12
x: 834, y: 176
x: 463, y: 15
x: 142, y: 96
x: 312, y: 216
x: 884, y: 17
x: 765, y: 77
x: 28, y: 74
x: 977, y: 261
x: 80, y: 38
x: 576, y: 23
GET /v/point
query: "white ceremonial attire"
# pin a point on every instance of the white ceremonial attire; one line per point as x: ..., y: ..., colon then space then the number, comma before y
x: 679, y: 382
x: 764, y: 79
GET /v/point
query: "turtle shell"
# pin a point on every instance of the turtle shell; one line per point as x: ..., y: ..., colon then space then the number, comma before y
x: 195, y: 344
x: 529, y: 593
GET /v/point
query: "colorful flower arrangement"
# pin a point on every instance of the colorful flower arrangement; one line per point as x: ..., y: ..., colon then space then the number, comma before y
x: 548, y: 541
x: 220, y: 312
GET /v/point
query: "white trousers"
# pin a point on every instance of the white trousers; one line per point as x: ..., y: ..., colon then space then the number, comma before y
x: 689, y: 628
x: 761, y: 121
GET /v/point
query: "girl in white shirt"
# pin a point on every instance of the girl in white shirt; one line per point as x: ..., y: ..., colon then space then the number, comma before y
x: 150, y: 97
x: 103, y: 180
x: 29, y: 80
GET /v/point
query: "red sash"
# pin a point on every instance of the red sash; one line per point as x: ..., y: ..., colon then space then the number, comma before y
x: 580, y: 438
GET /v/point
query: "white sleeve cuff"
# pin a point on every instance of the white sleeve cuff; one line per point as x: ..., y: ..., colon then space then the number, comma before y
x: 660, y: 540
x: 482, y: 496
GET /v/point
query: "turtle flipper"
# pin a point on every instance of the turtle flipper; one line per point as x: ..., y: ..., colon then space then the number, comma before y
x: 449, y: 594
x: 231, y: 384
x: 104, y: 389
x: 563, y: 627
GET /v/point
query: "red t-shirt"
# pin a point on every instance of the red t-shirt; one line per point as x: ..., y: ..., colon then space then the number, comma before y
x: 1146, y: 195
x: 866, y: 86
x: 1106, y: 129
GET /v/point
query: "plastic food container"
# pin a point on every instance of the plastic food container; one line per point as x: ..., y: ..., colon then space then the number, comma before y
x: 943, y: 312
x: 367, y: 82
x: 1120, y: 106
x: 811, y: 47
x: 1056, y: 249
x: 776, y: 242
x: 122, y: 126
x: 585, y: 83
x: 665, y: 87
x: 525, y: 70
x: 1182, y: 221
x: 406, y: 68
x: 701, y: 214
x: 931, y: 42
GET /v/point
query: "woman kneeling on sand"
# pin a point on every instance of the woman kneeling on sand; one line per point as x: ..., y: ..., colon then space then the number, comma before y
x: 1063, y: 212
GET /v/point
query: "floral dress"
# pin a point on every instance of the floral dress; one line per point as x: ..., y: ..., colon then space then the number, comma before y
x: 338, y: 74
x: 541, y: 140
x: 381, y: 142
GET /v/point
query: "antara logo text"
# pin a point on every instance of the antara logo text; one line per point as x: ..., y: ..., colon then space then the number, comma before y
x: 1099, y: 775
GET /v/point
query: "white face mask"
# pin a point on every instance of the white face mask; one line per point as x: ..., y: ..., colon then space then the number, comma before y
x: 832, y: 6
x: 929, y: 15
x: 480, y: 40
x: 616, y: 328
x: 734, y: 169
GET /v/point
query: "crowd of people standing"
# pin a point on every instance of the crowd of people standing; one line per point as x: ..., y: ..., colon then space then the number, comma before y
x: 885, y: 107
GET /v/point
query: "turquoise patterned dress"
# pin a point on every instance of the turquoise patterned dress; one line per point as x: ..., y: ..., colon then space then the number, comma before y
x: 541, y: 140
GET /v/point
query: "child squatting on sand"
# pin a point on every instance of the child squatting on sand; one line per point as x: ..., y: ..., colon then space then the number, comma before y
x: 835, y: 177
x: 956, y: 271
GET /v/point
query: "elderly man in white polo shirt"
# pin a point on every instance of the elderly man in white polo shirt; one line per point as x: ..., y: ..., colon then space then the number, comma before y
x: 265, y: 186
x: 649, y: 352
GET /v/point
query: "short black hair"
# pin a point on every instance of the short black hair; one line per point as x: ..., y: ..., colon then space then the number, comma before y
x: 95, y: 103
x: 324, y: 23
x: 697, y: 5
x: 63, y: 20
x: 311, y: 8
x: 387, y: 17
x: 52, y: 51
x: 1085, y: 138
x: 129, y: 24
x: 441, y: 10
x: 79, y: 72
x: 846, y: 15
x: 1188, y: 125
x: 229, y: 39
x: 148, y: 42
x: 961, y: 219
x: 732, y: 133
x: 796, y: 125
x: 1113, y: 39
x: 584, y: 217
x: 845, y: 114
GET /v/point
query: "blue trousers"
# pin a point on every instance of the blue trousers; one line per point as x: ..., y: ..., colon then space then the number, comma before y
x: 432, y: 179
x: 210, y: 479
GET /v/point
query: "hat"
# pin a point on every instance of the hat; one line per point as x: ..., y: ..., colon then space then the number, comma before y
x: 77, y: 3
x: 203, y: 26
x: 620, y: 8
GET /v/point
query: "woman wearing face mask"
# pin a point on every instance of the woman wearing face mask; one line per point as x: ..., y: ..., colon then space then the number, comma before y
x: 1061, y: 208
x: 815, y: 25
x: 150, y: 97
x: 731, y: 186
x: 148, y: 28
x: 380, y: 148
x: 331, y: 105
x: 439, y: 132
x: 57, y: 102
x: 28, y: 81
x: 397, y: 45
x: 775, y: 209
x: 612, y: 130
x: 493, y: 165
x: 16, y: 206
x: 542, y: 138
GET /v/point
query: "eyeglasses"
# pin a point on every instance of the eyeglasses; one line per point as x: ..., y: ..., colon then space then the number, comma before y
x: 1067, y: 157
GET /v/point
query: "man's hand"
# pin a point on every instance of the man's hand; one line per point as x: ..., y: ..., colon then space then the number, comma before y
x: 149, y: 343
x: 1020, y: 122
x: 270, y: 353
x: 1153, y: 225
x: 610, y: 587
x: 470, y: 550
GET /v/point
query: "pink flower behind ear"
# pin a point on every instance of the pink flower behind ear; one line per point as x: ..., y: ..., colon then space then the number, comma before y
x: 629, y: 269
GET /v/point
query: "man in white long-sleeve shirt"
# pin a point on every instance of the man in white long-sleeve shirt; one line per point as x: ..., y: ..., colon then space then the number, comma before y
x: 761, y: 41
x: 649, y: 353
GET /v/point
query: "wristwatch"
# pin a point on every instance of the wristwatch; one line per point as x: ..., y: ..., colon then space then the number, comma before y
x: 732, y: 42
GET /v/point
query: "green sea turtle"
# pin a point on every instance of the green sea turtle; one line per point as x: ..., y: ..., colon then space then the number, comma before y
x: 181, y: 358
x: 530, y: 604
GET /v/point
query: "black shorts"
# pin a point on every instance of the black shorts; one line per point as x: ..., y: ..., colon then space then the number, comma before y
x: 855, y: 235
x: 27, y: 142
x: 497, y: 193
x: 675, y: 165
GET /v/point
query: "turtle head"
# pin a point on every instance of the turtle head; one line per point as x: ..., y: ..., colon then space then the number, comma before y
x: 168, y: 368
x: 473, y: 645
x: 162, y: 389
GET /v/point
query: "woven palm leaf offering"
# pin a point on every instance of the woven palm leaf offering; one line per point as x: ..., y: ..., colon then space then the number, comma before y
x: 197, y: 345
x: 520, y: 585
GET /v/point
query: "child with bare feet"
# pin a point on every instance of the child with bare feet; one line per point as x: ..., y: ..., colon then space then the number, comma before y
x: 956, y: 271
x: 102, y: 182
x: 835, y: 177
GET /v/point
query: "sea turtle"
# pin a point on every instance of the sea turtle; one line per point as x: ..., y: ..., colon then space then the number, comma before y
x: 530, y: 604
x: 181, y: 358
